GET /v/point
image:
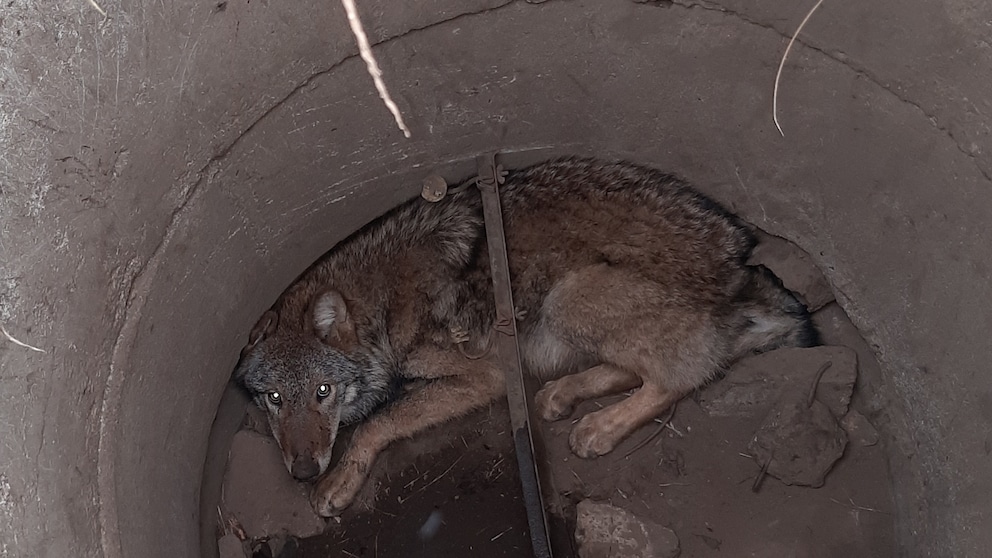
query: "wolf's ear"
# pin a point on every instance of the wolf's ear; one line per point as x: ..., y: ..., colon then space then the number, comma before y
x: 331, y: 321
x: 263, y: 328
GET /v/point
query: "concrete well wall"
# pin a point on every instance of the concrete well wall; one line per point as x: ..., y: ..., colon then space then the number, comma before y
x: 166, y: 170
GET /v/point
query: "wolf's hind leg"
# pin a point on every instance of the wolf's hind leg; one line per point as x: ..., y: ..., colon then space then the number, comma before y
x: 458, y: 386
x: 557, y: 399
x: 599, y: 432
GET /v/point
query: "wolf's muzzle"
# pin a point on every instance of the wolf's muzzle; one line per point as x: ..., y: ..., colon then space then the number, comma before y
x: 305, y: 467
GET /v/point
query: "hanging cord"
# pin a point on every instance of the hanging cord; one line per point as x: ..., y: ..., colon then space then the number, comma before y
x: 778, y: 75
x: 370, y: 63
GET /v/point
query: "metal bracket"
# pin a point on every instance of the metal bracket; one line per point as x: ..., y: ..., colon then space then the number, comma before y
x: 505, y: 331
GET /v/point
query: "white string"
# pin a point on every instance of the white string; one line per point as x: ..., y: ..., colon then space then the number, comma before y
x: 18, y: 343
x: 373, y: 67
x: 98, y: 8
x: 781, y: 64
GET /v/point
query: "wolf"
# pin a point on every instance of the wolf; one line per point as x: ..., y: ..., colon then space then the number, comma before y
x: 623, y: 277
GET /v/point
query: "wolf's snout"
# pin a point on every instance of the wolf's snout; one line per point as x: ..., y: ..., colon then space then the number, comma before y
x: 305, y: 467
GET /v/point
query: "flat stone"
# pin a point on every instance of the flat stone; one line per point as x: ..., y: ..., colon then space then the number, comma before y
x: 859, y: 429
x: 795, y: 268
x: 799, y: 443
x: 230, y: 546
x: 261, y: 494
x: 605, y: 531
x: 836, y: 328
x: 754, y: 383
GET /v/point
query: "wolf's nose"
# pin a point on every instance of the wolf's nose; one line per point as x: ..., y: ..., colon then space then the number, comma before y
x: 304, y: 467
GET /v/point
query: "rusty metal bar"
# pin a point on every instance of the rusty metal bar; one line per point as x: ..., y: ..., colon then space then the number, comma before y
x: 505, y: 332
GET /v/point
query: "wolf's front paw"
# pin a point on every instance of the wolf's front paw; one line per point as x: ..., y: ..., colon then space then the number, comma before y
x: 590, y: 438
x: 551, y: 403
x: 336, y: 490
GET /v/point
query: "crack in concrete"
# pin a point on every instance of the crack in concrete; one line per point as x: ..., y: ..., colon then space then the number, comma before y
x: 838, y: 57
x: 714, y: 7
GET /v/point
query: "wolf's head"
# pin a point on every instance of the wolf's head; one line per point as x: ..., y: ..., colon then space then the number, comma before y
x: 310, y: 380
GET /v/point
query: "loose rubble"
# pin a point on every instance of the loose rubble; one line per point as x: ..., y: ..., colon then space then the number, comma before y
x: 753, y: 384
x: 605, y: 531
x: 859, y: 430
x: 261, y: 495
x: 836, y: 328
x: 799, y: 444
x: 801, y: 438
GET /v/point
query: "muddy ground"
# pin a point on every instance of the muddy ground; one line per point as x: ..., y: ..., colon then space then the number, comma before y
x: 454, y: 492
x: 697, y: 483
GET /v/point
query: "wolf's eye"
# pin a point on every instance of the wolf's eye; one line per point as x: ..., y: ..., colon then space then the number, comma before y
x: 275, y: 398
x: 323, y: 390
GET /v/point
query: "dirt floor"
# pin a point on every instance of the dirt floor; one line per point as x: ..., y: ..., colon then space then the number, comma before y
x: 454, y: 492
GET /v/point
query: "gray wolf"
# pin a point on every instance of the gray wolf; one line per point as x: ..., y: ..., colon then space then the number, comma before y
x: 624, y: 278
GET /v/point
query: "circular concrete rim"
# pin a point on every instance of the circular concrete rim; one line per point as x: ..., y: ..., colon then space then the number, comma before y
x: 167, y: 170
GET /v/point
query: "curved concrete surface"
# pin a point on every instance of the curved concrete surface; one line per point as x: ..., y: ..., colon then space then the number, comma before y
x: 165, y: 171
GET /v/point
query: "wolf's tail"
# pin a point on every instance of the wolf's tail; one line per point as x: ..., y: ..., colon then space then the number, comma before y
x: 771, y: 317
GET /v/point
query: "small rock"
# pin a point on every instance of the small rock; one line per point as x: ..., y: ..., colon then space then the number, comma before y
x: 836, y: 328
x: 795, y: 268
x: 859, y: 430
x: 603, y: 531
x: 754, y: 383
x: 230, y: 546
x: 262, y: 495
x: 800, y: 444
